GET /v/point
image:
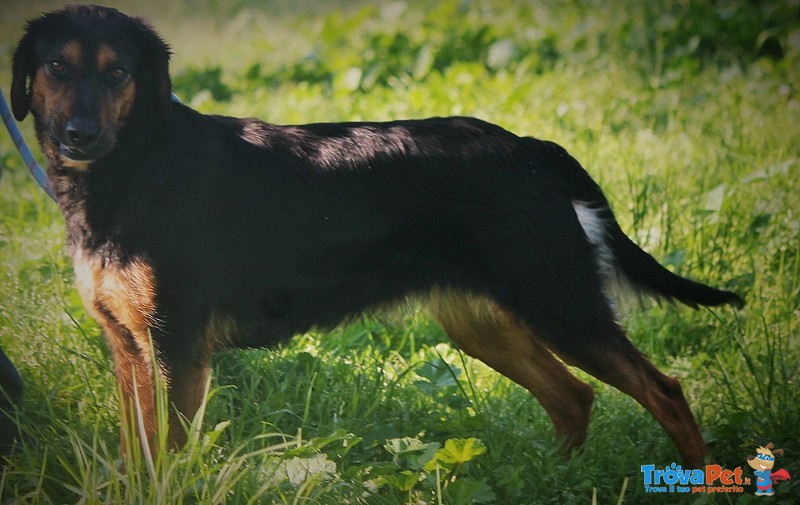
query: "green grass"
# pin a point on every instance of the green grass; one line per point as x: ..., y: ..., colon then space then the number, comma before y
x: 685, y: 112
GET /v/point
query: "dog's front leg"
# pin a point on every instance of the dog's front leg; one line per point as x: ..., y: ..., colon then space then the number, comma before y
x: 136, y: 380
x: 187, y: 390
x: 121, y: 297
x: 137, y: 372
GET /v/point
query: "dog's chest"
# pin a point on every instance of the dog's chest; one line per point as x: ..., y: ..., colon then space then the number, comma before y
x: 121, y: 297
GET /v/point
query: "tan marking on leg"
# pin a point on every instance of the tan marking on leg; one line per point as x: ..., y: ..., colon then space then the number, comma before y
x: 127, y: 291
x: 122, y: 300
x: 136, y: 382
x: 489, y: 333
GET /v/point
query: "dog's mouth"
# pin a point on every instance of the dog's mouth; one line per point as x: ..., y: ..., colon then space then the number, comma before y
x: 82, y: 155
x: 70, y: 153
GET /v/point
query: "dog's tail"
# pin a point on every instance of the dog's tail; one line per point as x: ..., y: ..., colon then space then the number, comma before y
x: 617, y: 255
x: 646, y: 274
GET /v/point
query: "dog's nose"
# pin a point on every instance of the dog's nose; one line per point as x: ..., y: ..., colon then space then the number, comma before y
x: 81, y: 132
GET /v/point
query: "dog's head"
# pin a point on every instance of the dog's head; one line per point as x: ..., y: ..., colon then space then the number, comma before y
x: 82, y: 71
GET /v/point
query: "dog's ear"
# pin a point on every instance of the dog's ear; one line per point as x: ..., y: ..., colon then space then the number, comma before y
x: 155, y: 57
x: 22, y: 69
x: 779, y: 452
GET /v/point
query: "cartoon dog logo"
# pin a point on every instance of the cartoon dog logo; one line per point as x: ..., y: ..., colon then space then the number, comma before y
x: 762, y: 463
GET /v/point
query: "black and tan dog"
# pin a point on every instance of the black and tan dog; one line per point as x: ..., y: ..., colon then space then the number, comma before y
x: 205, y: 232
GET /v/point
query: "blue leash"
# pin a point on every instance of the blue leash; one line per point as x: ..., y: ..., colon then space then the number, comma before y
x: 35, y: 169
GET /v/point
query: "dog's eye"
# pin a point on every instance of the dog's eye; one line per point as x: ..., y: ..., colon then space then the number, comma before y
x: 117, y: 74
x: 57, y: 67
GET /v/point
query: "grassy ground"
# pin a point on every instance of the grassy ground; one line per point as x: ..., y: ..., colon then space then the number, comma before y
x: 685, y: 112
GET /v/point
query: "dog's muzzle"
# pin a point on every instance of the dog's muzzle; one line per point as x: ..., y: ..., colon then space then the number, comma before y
x: 82, y: 140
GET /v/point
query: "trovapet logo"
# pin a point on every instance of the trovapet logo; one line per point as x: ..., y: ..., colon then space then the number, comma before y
x: 711, y: 479
x: 763, y: 462
x: 715, y: 478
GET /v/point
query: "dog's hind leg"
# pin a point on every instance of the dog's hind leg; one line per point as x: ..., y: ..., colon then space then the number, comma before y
x: 575, y: 320
x: 612, y: 358
x: 489, y: 333
x: 553, y: 281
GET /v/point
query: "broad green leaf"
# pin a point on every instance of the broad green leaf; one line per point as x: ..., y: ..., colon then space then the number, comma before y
x: 404, y: 481
x: 465, y: 491
x: 411, y: 452
x: 438, y: 374
x: 300, y: 469
x: 457, y: 451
